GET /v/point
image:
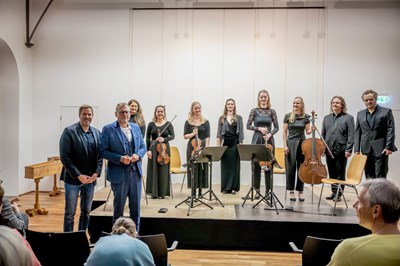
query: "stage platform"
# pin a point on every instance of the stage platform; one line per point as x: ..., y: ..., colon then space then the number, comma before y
x: 236, y: 227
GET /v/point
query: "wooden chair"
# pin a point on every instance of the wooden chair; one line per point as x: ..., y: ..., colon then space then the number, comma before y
x: 316, y: 251
x: 69, y: 248
x: 353, y: 178
x: 175, y: 161
x: 158, y: 248
x: 280, y: 158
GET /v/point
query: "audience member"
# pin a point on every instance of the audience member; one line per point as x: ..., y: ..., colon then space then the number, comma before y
x: 10, y: 214
x: 14, y: 249
x: 378, y: 209
x: 121, y: 247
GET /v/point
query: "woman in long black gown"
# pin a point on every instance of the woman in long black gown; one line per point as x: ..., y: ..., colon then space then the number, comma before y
x: 158, y: 174
x: 137, y: 115
x: 260, y: 121
x: 196, y: 124
x: 230, y: 133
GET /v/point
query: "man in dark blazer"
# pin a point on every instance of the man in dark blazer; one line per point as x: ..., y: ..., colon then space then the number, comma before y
x: 123, y: 146
x: 338, y: 132
x: 79, y: 153
x: 375, y: 135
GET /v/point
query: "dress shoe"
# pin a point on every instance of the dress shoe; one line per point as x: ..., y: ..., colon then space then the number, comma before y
x: 276, y: 164
x: 292, y: 197
x: 337, y: 199
x: 331, y: 197
x: 257, y: 197
x: 301, y: 197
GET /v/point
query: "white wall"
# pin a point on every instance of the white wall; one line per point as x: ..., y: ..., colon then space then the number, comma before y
x: 16, y: 96
x: 103, y: 56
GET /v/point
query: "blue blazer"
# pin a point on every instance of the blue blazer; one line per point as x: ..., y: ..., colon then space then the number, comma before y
x: 112, y: 148
x: 74, y: 154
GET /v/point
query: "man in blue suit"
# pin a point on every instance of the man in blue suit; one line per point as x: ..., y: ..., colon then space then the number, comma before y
x: 123, y: 146
x: 79, y: 153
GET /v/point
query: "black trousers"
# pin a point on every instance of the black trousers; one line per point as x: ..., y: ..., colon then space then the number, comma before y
x: 376, y: 166
x: 337, y: 169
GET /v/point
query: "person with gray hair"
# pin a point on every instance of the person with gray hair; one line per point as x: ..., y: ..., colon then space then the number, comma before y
x: 14, y: 249
x: 378, y: 209
x: 121, y: 248
x: 123, y: 146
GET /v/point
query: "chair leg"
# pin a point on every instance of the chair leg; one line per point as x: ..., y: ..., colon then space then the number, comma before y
x: 336, y: 196
x: 144, y: 188
x: 183, y: 181
x: 344, y: 198
x: 320, y: 195
x: 108, y: 197
x: 170, y: 187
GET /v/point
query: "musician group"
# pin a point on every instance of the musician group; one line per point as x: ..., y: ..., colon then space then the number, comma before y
x: 82, y: 148
x: 339, y: 131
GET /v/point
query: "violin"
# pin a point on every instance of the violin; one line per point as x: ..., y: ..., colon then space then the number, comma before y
x: 196, y: 143
x: 312, y: 170
x: 163, y: 157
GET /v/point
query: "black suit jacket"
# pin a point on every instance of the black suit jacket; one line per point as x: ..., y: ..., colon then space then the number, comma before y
x: 340, y: 135
x: 381, y: 128
x: 74, y: 154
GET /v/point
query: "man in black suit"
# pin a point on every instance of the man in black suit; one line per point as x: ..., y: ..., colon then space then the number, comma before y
x: 375, y: 135
x: 79, y: 152
x: 338, y: 132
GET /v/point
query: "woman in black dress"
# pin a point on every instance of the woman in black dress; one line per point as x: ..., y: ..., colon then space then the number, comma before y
x: 197, y: 125
x: 295, y: 124
x: 158, y: 175
x: 260, y: 121
x: 230, y: 133
x: 137, y: 115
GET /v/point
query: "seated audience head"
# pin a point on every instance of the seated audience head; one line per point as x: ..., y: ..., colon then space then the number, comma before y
x: 378, y: 204
x: 1, y: 194
x: 13, y: 250
x: 124, y: 225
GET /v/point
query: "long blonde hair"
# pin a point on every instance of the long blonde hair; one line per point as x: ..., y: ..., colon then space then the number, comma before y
x: 302, y: 114
x: 258, y: 99
x: 191, y: 116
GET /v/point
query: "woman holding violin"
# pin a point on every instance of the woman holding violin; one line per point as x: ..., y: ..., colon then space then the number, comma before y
x: 197, y: 131
x: 260, y: 121
x: 137, y: 115
x: 230, y: 133
x: 159, y: 133
x: 295, y: 124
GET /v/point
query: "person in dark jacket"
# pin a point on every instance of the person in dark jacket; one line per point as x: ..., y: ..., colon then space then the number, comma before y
x: 79, y: 153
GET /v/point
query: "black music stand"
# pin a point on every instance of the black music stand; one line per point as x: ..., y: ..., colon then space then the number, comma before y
x: 210, y: 154
x: 192, y: 198
x: 253, y: 153
x: 270, y: 198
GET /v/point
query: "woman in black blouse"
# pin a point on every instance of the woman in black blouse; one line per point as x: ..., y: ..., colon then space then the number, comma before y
x: 137, y: 115
x: 230, y: 133
x: 196, y: 124
x: 260, y: 121
x: 295, y: 124
x: 158, y: 174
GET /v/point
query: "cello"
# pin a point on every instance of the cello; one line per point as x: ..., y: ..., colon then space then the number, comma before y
x: 312, y: 170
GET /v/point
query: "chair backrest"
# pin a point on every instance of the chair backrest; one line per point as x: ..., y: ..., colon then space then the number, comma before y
x: 356, y: 168
x: 69, y: 248
x: 280, y: 157
x: 318, y: 251
x: 158, y: 248
x: 175, y: 158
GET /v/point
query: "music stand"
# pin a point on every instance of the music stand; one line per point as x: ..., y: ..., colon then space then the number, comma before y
x: 192, y: 198
x: 273, y: 199
x: 210, y: 154
x: 253, y: 153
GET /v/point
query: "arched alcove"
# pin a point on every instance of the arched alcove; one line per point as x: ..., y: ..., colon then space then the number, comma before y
x: 9, y: 119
